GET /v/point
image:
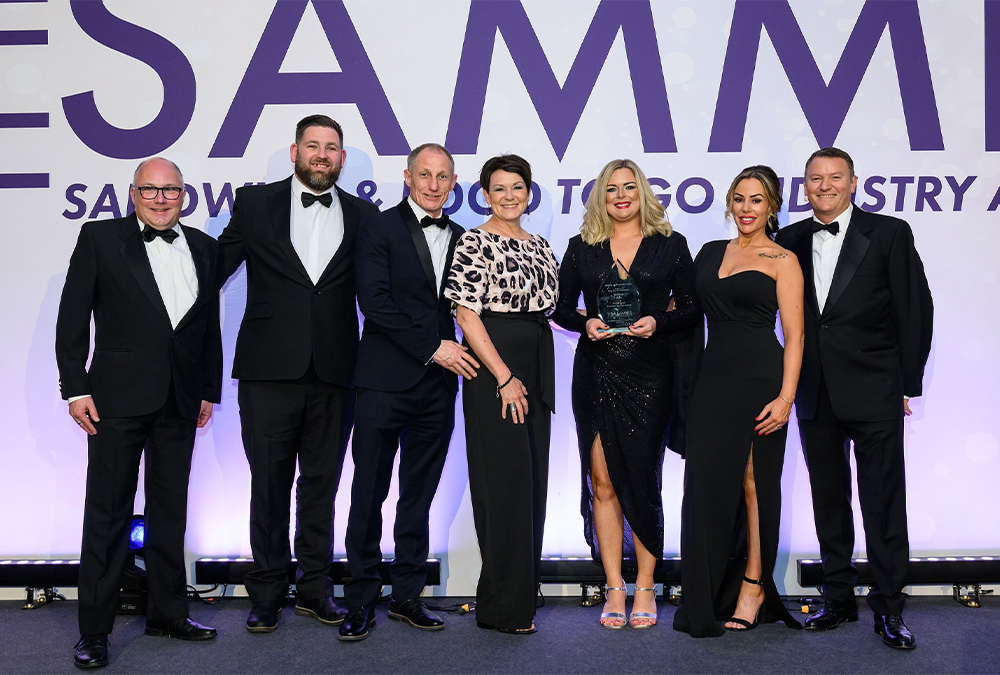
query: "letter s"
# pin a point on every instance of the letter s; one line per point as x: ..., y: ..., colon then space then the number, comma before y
x: 158, y: 53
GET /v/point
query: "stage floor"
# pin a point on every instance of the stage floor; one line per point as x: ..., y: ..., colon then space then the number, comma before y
x: 950, y: 638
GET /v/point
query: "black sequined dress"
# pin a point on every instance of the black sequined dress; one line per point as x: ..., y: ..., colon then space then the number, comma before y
x: 740, y: 373
x: 623, y: 386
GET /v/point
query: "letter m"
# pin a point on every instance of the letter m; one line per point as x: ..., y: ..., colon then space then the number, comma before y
x: 560, y: 108
x: 826, y: 105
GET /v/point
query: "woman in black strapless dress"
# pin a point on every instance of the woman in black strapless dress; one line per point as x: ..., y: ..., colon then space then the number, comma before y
x: 736, y: 427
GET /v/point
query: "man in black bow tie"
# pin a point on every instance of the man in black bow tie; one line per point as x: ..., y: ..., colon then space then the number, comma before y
x: 406, y: 383
x: 868, y: 335
x: 295, y: 358
x: 149, y: 283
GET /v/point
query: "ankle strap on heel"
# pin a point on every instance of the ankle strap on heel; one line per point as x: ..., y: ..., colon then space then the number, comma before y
x: 757, y: 582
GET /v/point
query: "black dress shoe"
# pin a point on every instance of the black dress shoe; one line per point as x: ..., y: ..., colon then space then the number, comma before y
x: 894, y: 632
x: 831, y: 615
x: 415, y: 613
x: 182, y: 629
x: 91, y: 652
x: 325, y: 609
x: 359, y: 623
x: 263, y: 617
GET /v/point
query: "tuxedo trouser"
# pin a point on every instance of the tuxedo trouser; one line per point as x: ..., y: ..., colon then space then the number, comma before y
x: 113, y: 455
x: 308, y: 421
x: 419, y: 421
x: 878, y: 452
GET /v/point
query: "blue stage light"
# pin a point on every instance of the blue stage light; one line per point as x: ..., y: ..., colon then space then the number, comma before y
x: 137, y: 533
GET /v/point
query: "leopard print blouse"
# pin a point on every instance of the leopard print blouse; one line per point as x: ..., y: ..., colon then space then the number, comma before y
x: 503, y: 274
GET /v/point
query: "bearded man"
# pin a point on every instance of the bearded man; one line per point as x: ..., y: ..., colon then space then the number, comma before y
x: 295, y: 358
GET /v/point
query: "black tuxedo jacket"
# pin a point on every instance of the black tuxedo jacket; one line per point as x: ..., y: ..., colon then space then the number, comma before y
x: 873, y: 337
x: 406, y: 316
x: 136, y: 351
x: 289, y: 320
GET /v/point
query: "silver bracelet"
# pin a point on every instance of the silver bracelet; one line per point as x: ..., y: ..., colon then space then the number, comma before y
x: 784, y: 399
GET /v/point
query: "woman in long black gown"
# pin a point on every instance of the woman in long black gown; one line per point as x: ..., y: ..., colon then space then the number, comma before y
x: 622, y: 383
x: 736, y: 425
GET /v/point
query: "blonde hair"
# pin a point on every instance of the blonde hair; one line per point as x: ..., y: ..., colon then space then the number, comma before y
x: 597, y: 224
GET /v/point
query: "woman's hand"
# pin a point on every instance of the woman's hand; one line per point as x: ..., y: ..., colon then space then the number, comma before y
x: 773, y: 417
x: 597, y: 330
x: 643, y: 328
x: 515, y: 401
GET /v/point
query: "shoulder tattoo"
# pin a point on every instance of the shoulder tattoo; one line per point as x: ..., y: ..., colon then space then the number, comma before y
x: 773, y: 256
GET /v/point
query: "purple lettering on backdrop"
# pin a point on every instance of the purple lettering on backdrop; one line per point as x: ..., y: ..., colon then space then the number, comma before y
x: 214, y: 205
x: 166, y: 60
x: 901, y: 182
x: 825, y: 106
x: 995, y: 202
x: 263, y: 85
x: 367, y: 189
x: 794, y: 205
x: 872, y: 185
x: 560, y: 108
x: 682, y: 190
x: 567, y: 184
x: 454, y: 202
x: 664, y: 197
x: 928, y: 188
x: 960, y: 189
x: 192, y: 197
x: 991, y: 32
x: 72, y: 196
x: 107, y: 202
x: 475, y: 194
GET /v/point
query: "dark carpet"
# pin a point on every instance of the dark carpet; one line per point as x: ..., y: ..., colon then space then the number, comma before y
x: 950, y: 639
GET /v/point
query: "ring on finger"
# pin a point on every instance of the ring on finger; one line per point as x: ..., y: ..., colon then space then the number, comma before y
x: 513, y: 408
x: 80, y: 422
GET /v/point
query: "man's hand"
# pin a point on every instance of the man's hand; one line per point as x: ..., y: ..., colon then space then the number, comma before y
x: 84, y: 413
x: 204, y: 414
x: 906, y: 407
x: 456, y: 358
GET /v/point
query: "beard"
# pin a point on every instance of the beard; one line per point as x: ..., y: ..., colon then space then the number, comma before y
x: 316, y: 179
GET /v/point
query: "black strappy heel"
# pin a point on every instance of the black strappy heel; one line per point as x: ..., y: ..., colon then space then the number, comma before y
x: 743, y: 622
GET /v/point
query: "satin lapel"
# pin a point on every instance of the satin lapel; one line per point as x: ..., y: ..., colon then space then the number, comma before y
x: 205, y: 283
x: 802, y: 248
x: 279, y: 208
x: 855, y: 247
x: 456, y: 232
x: 352, y: 220
x: 419, y: 241
x: 133, y: 251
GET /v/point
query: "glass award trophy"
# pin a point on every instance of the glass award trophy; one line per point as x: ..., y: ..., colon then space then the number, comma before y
x: 618, y: 300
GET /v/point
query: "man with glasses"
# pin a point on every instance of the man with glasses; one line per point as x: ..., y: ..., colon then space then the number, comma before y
x: 294, y: 359
x: 149, y: 283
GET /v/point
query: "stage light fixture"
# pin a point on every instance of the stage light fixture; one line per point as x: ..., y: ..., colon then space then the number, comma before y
x: 137, y: 534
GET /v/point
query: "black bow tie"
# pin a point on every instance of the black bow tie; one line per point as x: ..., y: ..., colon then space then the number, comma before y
x: 441, y: 222
x: 832, y: 228
x: 149, y: 234
x: 308, y: 199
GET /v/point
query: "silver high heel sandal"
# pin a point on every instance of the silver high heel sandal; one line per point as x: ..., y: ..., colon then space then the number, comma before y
x: 617, y: 616
x: 643, y: 615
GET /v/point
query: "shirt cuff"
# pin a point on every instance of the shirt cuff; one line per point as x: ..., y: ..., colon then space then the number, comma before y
x: 76, y: 398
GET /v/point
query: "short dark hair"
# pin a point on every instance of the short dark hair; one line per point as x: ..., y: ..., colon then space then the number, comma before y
x: 832, y: 153
x: 411, y: 159
x: 772, y: 192
x: 318, y: 121
x: 507, y: 162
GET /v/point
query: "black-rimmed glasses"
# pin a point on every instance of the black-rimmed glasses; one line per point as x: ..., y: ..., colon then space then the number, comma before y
x: 149, y: 191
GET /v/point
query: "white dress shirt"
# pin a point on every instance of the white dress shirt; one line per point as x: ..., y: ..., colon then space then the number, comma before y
x: 175, y: 275
x: 825, y: 253
x: 437, y: 241
x: 317, y: 231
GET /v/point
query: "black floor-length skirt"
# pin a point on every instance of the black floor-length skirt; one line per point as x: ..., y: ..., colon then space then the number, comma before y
x: 509, y: 469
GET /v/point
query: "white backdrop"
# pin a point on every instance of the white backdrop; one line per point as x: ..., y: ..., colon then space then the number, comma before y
x: 916, y: 102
